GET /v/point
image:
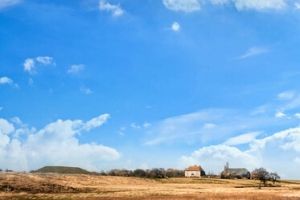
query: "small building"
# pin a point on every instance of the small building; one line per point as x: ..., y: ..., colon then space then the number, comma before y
x: 235, y: 172
x: 194, y: 171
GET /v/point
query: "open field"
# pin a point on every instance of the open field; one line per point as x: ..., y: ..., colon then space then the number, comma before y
x: 90, y: 187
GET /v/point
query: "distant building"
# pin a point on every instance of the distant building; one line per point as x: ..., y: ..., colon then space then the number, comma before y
x: 194, y: 171
x: 235, y: 172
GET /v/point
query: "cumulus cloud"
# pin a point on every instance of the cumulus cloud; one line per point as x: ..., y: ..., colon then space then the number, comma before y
x: 254, y: 51
x: 6, y: 127
x: 297, y: 5
x: 30, y: 64
x: 214, y: 158
x: 264, y: 152
x: 116, y: 10
x: 5, y: 80
x: 134, y: 126
x: 55, y: 144
x: 182, y: 5
x: 6, y: 3
x: 297, y: 115
x: 76, y: 68
x: 175, y: 26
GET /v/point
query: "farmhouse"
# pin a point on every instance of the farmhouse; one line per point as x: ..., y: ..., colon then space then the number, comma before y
x: 194, y: 171
x: 235, y: 172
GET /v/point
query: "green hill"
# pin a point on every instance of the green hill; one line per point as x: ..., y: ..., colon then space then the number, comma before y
x: 61, y: 170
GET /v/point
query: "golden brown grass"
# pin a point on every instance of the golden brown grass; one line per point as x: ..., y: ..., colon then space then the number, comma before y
x: 93, y: 187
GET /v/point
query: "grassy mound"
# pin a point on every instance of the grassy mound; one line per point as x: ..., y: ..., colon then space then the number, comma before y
x: 61, y: 170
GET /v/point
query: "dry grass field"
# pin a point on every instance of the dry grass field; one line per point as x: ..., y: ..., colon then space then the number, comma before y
x: 94, y: 187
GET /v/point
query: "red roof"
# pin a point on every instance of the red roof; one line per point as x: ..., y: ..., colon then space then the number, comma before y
x: 193, y: 168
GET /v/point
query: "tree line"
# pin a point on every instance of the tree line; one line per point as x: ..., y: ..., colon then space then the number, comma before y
x: 148, y: 173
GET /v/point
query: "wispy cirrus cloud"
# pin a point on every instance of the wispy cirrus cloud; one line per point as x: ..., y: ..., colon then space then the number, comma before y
x: 195, y: 5
x: 116, y: 10
x: 182, y: 5
x: 259, y: 4
x: 242, y: 139
x: 7, y: 3
x: 253, y: 52
x: 209, y: 125
x: 76, y: 68
x: 85, y: 90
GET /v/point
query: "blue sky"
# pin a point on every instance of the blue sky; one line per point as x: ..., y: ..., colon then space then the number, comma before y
x: 153, y: 83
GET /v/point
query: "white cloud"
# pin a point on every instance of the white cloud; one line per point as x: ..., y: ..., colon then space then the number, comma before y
x: 30, y: 64
x: 6, y: 3
x: 259, y: 4
x: 297, y: 115
x: 5, y: 127
x: 242, y: 139
x: 264, y: 152
x: 46, y: 60
x: 209, y: 125
x: 55, y: 144
x: 280, y: 114
x: 297, y: 5
x: 253, y: 51
x: 115, y: 9
x: 219, y: 2
x: 86, y: 90
x: 175, y: 26
x: 182, y: 5
x: 5, y: 80
x: 16, y: 120
x: 195, y: 5
x: 95, y: 122
x: 134, y: 126
x: 1, y: 108
x: 76, y: 68
x: 146, y: 124
x: 287, y: 139
x: 213, y: 158
x: 286, y: 95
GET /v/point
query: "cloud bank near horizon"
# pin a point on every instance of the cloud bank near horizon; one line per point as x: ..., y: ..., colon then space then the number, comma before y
x: 23, y: 148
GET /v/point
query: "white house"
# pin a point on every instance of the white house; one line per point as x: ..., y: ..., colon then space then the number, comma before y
x: 194, y: 171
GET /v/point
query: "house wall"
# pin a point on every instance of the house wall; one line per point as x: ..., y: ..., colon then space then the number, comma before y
x: 192, y: 174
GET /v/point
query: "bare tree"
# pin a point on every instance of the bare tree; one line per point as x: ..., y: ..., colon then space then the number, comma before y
x: 274, y: 177
x: 261, y: 174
